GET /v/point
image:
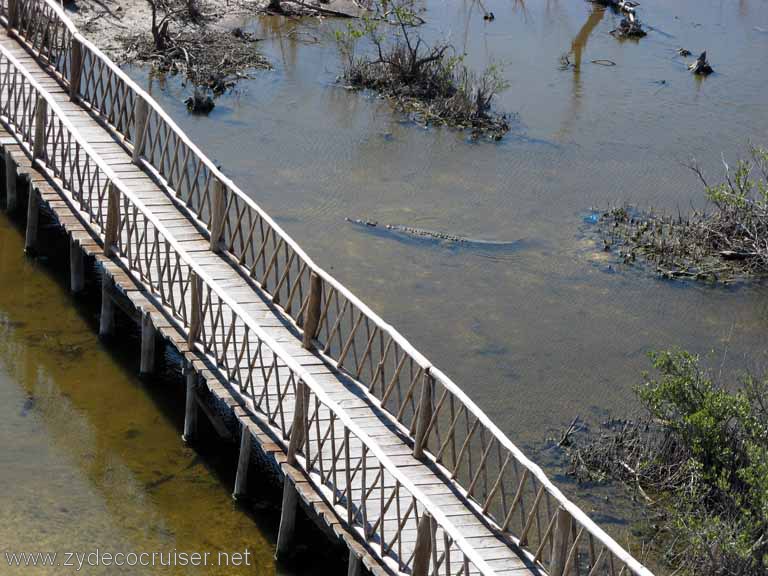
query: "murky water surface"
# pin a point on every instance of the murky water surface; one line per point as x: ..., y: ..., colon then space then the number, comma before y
x: 546, y: 331
x: 536, y: 334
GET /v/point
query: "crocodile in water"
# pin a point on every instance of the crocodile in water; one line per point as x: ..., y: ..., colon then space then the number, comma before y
x: 399, y: 232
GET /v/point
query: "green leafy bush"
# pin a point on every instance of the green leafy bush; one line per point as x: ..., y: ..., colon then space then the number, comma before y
x: 700, y: 458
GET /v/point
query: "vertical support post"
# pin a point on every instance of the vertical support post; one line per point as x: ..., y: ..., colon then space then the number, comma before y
x: 560, y: 542
x: 195, y: 320
x: 107, y: 318
x: 287, y: 517
x: 241, y: 479
x: 355, y: 565
x: 41, y: 122
x: 147, y: 363
x: 140, y: 113
x: 11, y: 181
x: 113, y: 220
x: 299, y: 425
x: 422, y: 552
x: 218, y: 214
x: 290, y: 496
x: 190, y: 411
x: 13, y: 15
x: 76, y: 266
x: 75, y: 69
x: 33, y: 217
x: 424, y: 416
x: 314, y: 309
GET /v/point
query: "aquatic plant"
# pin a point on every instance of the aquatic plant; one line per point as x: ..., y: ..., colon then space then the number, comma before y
x: 431, y: 81
x: 699, y: 458
x: 726, y: 243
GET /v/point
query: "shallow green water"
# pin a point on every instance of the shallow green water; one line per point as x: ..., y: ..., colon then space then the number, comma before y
x: 91, y: 456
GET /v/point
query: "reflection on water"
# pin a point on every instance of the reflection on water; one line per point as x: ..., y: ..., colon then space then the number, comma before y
x: 91, y: 457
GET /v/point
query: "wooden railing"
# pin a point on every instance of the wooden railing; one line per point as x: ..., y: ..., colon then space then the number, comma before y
x: 338, y: 456
x: 444, y: 424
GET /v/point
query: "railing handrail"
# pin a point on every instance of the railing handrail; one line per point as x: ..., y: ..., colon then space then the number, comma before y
x: 271, y: 343
x: 396, y: 336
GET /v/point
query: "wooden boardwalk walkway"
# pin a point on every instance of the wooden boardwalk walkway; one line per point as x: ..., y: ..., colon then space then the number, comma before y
x: 409, y: 464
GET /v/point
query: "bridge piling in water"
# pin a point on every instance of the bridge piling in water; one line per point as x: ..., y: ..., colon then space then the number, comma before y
x: 190, y: 406
x: 148, y: 345
x: 11, y: 183
x: 107, y: 316
x: 33, y: 219
x: 244, y: 458
x: 76, y: 266
x: 354, y: 565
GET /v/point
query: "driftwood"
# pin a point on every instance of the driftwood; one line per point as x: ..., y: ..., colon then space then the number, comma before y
x: 701, y: 67
x: 200, y: 102
x: 630, y: 26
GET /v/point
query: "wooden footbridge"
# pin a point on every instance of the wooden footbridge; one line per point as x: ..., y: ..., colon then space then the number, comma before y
x: 372, y: 437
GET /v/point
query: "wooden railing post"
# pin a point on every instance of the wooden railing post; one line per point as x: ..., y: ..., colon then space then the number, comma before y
x: 41, y: 122
x: 113, y: 220
x: 218, y: 214
x: 290, y: 496
x: 140, y: 115
x: 560, y: 542
x: 422, y: 552
x: 314, y: 309
x: 195, y: 319
x: 424, y: 416
x: 13, y: 14
x: 299, y: 426
x: 75, y: 69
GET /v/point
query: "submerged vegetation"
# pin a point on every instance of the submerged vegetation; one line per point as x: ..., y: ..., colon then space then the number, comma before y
x: 729, y: 242
x: 430, y: 81
x: 699, y: 458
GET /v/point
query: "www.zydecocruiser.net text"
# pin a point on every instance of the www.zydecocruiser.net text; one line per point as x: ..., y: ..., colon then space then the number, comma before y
x: 78, y: 561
